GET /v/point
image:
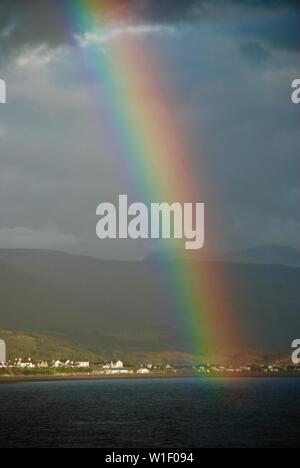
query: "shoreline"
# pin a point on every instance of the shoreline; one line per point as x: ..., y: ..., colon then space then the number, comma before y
x: 14, y: 379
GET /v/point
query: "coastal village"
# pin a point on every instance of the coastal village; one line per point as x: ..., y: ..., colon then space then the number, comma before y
x: 58, y: 365
x: 118, y: 368
x: 113, y: 368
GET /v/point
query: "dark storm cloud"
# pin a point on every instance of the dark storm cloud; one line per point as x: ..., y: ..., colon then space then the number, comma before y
x: 279, y: 31
x: 254, y: 52
x: 31, y: 22
x: 230, y: 65
x: 176, y: 10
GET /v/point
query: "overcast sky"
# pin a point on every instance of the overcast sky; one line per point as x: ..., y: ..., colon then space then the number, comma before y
x: 230, y: 67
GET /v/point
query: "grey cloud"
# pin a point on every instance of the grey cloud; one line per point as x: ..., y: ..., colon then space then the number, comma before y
x: 254, y: 52
x: 24, y: 24
x: 59, y: 159
x: 47, y: 238
x: 279, y: 30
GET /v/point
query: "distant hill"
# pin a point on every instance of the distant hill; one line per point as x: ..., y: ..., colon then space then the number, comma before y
x: 37, y: 346
x: 40, y: 346
x: 108, y: 306
x: 266, y: 255
x: 106, y: 303
x: 25, y: 344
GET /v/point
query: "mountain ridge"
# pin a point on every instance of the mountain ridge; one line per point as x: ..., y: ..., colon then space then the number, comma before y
x: 261, y: 254
x: 122, y: 305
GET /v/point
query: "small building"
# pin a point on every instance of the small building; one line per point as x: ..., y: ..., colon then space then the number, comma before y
x: 116, y: 365
x: 57, y: 363
x: 143, y: 370
x: 25, y: 364
x: 42, y: 364
x: 83, y: 364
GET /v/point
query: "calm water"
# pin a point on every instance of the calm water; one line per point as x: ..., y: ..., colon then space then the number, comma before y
x: 166, y: 413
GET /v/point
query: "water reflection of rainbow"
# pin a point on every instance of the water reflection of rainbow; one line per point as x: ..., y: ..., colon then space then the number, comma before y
x: 152, y: 147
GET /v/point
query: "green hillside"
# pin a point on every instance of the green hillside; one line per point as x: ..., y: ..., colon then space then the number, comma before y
x: 40, y: 346
x: 109, y: 306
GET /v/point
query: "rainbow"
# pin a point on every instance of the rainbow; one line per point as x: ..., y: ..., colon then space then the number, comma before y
x: 153, y: 148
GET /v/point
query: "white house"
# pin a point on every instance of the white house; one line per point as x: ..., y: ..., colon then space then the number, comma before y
x: 43, y: 364
x: 58, y: 363
x: 143, y: 370
x: 25, y: 364
x: 83, y: 364
x: 116, y: 365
